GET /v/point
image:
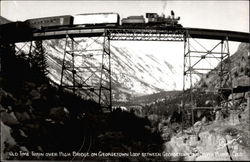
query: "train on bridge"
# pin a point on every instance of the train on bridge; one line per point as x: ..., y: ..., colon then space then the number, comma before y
x: 94, y: 25
x: 152, y: 19
x: 95, y: 20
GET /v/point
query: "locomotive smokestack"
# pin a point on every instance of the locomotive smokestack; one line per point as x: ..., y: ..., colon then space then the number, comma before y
x: 172, y: 13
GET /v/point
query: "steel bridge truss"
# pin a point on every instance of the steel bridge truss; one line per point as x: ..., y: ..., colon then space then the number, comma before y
x: 199, y: 65
x: 70, y: 77
x: 146, y: 34
x: 86, y: 70
x: 92, y: 77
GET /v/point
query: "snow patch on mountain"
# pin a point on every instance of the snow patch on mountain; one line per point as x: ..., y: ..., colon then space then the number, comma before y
x: 137, y: 68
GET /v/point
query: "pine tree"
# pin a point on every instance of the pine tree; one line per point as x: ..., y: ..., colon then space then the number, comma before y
x: 39, y: 62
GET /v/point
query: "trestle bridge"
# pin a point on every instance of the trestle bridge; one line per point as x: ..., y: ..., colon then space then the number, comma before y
x: 192, y: 57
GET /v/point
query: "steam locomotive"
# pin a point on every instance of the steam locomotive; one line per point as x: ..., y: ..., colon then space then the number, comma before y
x: 153, y: 19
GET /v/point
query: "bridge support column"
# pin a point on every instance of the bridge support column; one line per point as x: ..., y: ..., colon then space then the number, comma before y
x: 105, y: 92
x: 86, y: 68
x: 207, y: 75
x: 74, y: 69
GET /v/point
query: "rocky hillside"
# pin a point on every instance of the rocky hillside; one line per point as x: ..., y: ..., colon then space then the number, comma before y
x: 216, y: 135
x: 221, y: 139
x: 240, y: 74
x: 3, y: 20
x: 241, y: 84
x: 240, y: 62
x: 41, y: 122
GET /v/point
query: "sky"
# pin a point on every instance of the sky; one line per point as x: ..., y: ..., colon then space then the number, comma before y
x: 228, y: 15
x: 224, y: 15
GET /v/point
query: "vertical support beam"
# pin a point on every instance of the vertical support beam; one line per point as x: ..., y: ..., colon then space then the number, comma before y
x: 42, y: 52
x: 69, y: 50
x: 105, y: 91
x: 110, y: 75
x: 63, y: 62
x: 183, y: 90
x: 221, y: 73
x: 226, y: 82
x: 101, y: 77
x: 191, y: 80
x: 221, y: 65
x: 188, y: 73
x: 230, y: 71
x: 30, y: 53
x: 73, y: 65
x: 233, y: 105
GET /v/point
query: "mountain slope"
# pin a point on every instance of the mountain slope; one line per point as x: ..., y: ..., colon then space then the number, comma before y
x: 240, y: 70
x: 3, y: 20
x: 134, y: 72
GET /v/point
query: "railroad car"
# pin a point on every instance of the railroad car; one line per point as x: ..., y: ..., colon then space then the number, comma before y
x: 97, y: 19
x: 133, y: 20
x: 46, y: 22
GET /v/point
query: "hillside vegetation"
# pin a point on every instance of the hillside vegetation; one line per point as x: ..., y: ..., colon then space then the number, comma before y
x: 38, y: 118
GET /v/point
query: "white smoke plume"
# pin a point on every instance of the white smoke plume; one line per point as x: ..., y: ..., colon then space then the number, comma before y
x: 164, y: 6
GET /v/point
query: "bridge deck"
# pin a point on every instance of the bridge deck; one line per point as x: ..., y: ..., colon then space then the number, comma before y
x: 125, y: 33
x: 219, y: 34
